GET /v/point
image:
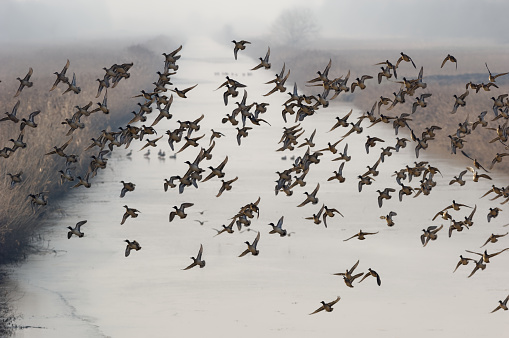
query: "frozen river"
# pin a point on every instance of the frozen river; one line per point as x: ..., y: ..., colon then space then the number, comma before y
x: 89, y: 289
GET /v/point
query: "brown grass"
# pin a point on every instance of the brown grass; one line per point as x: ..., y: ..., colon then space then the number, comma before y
x: 19, y: 225
x: 40, y: 173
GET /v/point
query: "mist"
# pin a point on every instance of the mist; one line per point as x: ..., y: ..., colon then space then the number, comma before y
x: 463, y: 23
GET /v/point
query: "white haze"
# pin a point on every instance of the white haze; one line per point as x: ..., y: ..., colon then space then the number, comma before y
x: 458, y: 22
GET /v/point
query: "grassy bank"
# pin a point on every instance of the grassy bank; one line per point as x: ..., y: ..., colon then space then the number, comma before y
x: 19, y: 223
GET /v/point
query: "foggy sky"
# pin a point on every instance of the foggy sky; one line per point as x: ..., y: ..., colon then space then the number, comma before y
x: 452, y: 21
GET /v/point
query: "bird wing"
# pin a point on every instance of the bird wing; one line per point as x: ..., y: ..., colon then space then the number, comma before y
x: 334, y: 301
x: 318, y: 310
x: 353, y: 267
x: 245, y: 252
x: 256, y: 239
x: 200, y: 252
x: 192, y: 265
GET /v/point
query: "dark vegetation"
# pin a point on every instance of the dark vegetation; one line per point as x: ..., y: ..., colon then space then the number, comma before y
x: 20, y: 225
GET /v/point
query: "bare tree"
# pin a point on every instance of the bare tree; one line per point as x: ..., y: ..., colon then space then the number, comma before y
x: 295, y: 26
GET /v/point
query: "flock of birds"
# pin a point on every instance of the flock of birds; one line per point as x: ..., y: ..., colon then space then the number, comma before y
x: 246, y: 116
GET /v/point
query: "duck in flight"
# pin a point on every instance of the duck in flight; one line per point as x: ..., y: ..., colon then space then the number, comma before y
x: 450, y: 58
x: 197, y: 261
x: 76, y: 230
x: 134, y: 245
x: 326, y: 306
x: 239, y: 45
x: 360, y: 235
x: 25, y: 82
x: 491, y: 77
x: 251, y: 248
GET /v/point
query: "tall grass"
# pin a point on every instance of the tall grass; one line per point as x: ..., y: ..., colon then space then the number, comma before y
x: 19, y: 224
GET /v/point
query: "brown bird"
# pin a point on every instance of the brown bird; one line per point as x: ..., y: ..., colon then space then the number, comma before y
x: 30, y: 122
x: 347, y: 275
x: 338, y: 175
x: 179, y: 211
x: 476, y: 163
x: 502, y: 305
x: 227, y: 185
x: 12, y: 116
x: 478, y: 265
x: 134, y: 245
x: 61, y: 76
x: 25, y: 82
x: 239, y: 45
x: 264, y: 62
x: 451, y: 58
x: 360, y: 82
x: 151, y: 143
x: 330, y: 213
x: 311, y: 197
x: 127, y: 186
x: 361, y: 235
x: 454, y: 206
x: 15, y: 179
x: 316, y: 217
x: 498, y: 159
x: 182, y: 93
x: 463, y: 261
x: 486, y: 256
x: 129, y: 212
x: 384, y: 195
x: 251, y: 248
x: 493, y: 213
x: 342, y: 122
x: 459, y: 101
x: 405, y: 58
x: 491, y: 77
x: 493, y: 238
x: 326, y: 306
x: 388, y: 218
x: 197, y: 261
x: 76, y: 230
x: 430, y: 234
x: 72, y: 86
x: 374, y: 274
x: 476, y: 176
x: 459, y: 179
x: 190, y: 142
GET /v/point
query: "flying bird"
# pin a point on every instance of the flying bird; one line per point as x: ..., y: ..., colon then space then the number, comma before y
x: 264, y: 62
x: 501, y: 305
x: 76, y: 230
x: 251, y: 248
x: 450, y: 58
x: 25, y: 82
x: 61, y: 76
x: 491, y: 77
x: 134, y: 245
x: 197, y: 261
x: 182, y: 93
x: 360, y: 235
x: 278, y: 228
x: 240, y: 45
x: 326, y: 306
